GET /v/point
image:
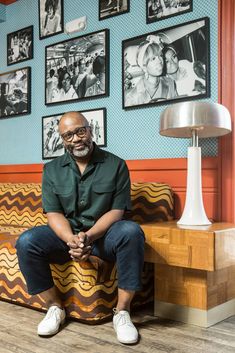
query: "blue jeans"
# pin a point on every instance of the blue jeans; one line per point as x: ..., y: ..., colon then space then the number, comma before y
x: 123, y: 243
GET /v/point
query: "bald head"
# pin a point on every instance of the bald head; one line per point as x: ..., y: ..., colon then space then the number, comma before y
x: 76, y: 134
x: 71, y: 119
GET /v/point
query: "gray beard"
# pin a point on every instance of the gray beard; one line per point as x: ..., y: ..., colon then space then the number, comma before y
x: 79, y: 154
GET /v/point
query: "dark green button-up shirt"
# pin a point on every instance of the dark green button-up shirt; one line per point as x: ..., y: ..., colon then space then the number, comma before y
x: 83, y: 199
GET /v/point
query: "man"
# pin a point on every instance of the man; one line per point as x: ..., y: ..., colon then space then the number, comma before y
x: 85, y: 193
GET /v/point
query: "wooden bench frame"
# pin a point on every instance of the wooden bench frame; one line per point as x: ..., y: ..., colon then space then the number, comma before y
x: 194, y: 271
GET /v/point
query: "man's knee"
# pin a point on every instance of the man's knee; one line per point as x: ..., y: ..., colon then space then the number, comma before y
x: 132, y: 231
x: 30, y: 239
x: 24, y: 241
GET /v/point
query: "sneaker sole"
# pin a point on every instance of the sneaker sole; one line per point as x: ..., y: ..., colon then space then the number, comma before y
x: 128, y: 342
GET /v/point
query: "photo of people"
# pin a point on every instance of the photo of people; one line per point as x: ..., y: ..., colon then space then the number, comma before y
x: 20, y: 45
x: 15, y: 93
x: 110, y: 8
x: 52, y: 144
x: 77, y: 68
x: 161, y: 9
x: 51, y: 18
x: 171, y: 64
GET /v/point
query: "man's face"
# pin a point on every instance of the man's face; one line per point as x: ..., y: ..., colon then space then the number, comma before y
x: 77, y: 138
x: 66, y: 82
x: 82, y: 66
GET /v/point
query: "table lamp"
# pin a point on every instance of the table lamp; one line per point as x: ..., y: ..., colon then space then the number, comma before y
x: 194, y: 120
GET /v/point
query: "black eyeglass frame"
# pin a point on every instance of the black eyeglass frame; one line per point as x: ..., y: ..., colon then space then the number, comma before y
x: 80, y: 131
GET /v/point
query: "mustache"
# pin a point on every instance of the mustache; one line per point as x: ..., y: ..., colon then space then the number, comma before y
x: 70, y: 147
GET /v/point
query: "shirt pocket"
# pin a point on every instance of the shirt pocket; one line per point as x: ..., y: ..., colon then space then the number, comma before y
x: 102, y: 197
x: 101, y: 188
x: 67, y: 197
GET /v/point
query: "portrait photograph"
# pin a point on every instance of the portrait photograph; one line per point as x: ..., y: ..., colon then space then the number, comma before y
x: 78, y: 68
x: 20, y: 45
x: 168, y: 65
x: 51, y: 17
x: 52, y: 144
x: 15, y: 93
x: 110, y: 8
x: 160, y: 9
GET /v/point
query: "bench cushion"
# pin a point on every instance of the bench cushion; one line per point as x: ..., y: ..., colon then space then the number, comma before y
x: 89, y: 289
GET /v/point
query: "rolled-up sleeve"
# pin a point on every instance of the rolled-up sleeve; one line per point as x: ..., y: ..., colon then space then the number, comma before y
x: 121, y: 197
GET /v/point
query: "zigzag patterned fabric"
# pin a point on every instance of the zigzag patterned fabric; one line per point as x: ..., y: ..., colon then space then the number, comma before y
x: 151, y: 202
x: 21, y: 205
x: 89, y: 289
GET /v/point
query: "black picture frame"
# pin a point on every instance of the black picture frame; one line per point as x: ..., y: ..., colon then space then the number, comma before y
x: 15, y: 93
x: 51, y: 18
x: 110, y: 8
x: 77, y: 69
x: 180, y: 60
x: 20, y: 46
x: 52, y: 144
x: 157, y: 10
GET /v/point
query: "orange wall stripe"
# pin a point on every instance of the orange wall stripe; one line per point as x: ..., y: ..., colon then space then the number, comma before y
x: 171, y: 171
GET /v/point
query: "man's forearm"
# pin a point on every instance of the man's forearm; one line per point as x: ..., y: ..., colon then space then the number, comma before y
x: 103, y: 224
x: 60, y: 225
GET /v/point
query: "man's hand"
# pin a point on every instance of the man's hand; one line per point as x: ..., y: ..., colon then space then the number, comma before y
x: 80, y: 247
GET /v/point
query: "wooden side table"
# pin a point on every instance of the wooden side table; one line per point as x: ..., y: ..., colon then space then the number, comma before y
x: 194, y: 271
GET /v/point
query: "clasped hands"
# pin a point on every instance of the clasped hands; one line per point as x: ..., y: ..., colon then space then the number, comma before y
x: 80, y: 247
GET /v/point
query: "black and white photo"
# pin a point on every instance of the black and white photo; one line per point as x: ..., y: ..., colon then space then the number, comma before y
x: 52, y: 144
x: 98, y: 125
x: 160, y: 9
x: 78, y: 68
x: 110, y: 8
x: 167, y: 65
x: 20, y: 45
x: 51, y: 17
x: 15, y: 93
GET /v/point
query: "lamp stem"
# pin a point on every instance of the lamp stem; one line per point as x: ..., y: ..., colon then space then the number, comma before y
x: 194, y: 212
x: 194, y: 138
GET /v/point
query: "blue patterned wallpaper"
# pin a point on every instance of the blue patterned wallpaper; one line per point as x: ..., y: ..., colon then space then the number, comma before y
x: 2, y: 13
x: 132, y: 134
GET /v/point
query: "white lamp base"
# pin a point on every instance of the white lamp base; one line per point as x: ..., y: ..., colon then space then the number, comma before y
x: 194, y: 212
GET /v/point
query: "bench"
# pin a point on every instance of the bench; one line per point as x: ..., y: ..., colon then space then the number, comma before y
x: 88, y: 289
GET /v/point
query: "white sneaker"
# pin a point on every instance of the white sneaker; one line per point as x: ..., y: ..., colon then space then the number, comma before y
x: 125, y: 330
x: 51, y: 323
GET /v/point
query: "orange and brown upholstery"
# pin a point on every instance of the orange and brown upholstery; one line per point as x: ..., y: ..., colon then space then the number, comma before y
x: 89, y: 289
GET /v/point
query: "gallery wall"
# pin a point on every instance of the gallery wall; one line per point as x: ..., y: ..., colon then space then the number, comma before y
x: 132, y: 134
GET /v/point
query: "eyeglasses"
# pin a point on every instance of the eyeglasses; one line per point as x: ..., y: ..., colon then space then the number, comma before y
x: 79, y: 132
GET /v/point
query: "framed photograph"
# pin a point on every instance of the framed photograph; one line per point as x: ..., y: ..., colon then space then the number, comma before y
x: 168, y: 65
x: 51, y: 17
x: 78, y: 68
x: 15, y: 93
x: 110, y: 8
x: 52, y: 145
x: 20, y: 45
x: 160, y: 9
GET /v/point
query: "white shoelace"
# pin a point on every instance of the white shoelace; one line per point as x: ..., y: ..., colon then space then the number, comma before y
x: 52, y: 311
x: 123, y: 318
